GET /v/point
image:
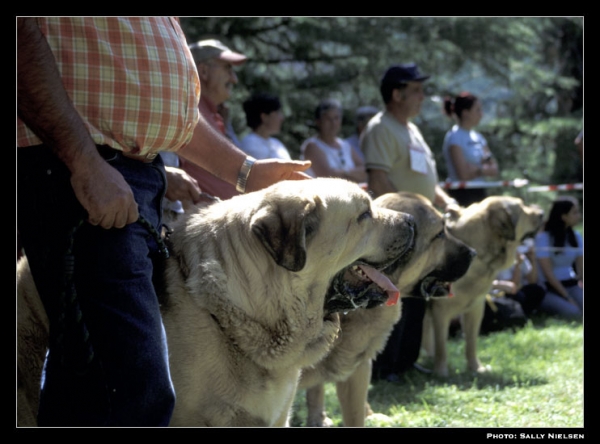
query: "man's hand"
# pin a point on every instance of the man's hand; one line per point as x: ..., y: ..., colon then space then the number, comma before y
x: 266, y: 172
x: 506, y: 286
x: 181, y: 186
x: 104, y: 193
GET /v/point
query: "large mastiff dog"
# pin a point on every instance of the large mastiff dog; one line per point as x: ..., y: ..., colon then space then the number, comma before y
x: 493, y: 227
x: 435, y: 261
x: 253, y: 288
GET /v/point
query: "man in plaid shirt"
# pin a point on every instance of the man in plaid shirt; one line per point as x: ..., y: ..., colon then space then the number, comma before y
x: 97, y: 99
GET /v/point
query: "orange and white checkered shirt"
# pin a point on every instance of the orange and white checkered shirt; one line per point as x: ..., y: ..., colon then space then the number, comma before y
x: 132, y: 79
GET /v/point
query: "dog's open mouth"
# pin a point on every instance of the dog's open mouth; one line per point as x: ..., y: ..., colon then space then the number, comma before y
x: 360, y: 286
x: 432, y: 286
x: 438, y: 284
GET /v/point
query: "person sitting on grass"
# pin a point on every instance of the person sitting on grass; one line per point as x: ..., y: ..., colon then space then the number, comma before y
x: 560, y: 256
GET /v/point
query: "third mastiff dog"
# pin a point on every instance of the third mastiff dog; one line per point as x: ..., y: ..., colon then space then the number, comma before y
x: 493, y: 227
x: 435, y: 260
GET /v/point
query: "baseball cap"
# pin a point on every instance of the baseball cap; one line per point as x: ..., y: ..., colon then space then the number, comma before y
x: 212, y: 48
x: 364, y: 112
x: 408, y: 72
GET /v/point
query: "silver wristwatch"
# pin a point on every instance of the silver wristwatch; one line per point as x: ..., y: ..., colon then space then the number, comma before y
x: 244, y: 173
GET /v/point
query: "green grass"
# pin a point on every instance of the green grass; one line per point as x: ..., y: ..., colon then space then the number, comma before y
x: 536, y: 381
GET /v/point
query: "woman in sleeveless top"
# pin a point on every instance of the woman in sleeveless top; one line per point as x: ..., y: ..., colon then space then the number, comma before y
x: 330, y: 155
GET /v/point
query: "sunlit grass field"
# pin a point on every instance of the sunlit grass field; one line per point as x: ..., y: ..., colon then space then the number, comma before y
x: 536, y: 381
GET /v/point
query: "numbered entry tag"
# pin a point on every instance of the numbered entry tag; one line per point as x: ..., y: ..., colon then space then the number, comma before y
x: 418, y: 159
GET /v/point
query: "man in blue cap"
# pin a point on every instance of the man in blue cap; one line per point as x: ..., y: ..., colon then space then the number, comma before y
x: 397, y: 158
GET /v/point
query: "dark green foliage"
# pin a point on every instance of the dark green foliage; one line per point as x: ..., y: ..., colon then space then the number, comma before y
x: 528, y: 72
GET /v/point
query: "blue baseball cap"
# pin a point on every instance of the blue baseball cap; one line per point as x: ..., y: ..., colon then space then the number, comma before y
x: 403, y: 73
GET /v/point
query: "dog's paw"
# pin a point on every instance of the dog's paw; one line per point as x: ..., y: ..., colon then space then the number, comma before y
x: 320, y: 421
x: 441, y: 370
x: 478, y: 368
x: 482, y: 369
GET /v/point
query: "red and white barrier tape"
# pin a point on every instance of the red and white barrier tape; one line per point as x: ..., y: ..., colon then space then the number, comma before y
x: 563, y: 187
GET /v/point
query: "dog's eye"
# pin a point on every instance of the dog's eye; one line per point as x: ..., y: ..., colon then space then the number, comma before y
x: 440, y: 235
x: 366, y: 215
x: 308, y: 230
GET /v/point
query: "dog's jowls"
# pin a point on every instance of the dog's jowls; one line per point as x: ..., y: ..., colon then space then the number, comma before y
x: 435, y: 260
x: 494, y: 228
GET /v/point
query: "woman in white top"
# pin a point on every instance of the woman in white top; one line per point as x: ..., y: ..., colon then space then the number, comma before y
x: 264, y: 116
x: 330, y: 155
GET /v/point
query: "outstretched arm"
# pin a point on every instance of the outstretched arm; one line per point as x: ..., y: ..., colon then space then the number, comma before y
x: 217, y: 154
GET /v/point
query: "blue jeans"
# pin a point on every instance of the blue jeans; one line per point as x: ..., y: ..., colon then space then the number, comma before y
x: 127, y: 383
x: 556, y: 305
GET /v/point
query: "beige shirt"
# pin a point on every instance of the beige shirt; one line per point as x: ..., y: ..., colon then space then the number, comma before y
x: 388, y: 145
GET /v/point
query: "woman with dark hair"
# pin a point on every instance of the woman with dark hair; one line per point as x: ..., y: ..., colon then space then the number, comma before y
x: 264, y: 117
x: 560, y: 256
x: 330, y: 155
x: 466, y: 151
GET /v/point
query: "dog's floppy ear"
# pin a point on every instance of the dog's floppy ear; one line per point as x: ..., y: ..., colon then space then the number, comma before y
x: 281, y: 229
x: 504, y: 221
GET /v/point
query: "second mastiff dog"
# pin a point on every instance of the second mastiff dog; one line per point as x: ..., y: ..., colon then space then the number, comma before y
x: 435, y: 260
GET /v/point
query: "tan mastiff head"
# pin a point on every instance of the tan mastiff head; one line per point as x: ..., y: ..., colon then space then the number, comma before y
x: 436, y: 259
x: 495, y: 227
x: 330, y: 230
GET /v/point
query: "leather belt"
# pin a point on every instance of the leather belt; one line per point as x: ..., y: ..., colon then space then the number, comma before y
x: 146, y: 158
